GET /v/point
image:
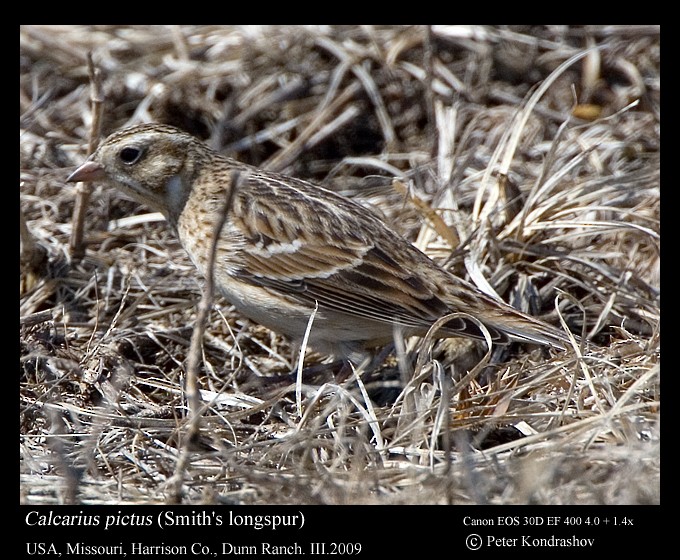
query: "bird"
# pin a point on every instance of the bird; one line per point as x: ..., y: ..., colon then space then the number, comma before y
x: 290, y: 250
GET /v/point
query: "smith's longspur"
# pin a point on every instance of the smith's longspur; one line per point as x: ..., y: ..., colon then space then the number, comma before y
x: 289, y: 246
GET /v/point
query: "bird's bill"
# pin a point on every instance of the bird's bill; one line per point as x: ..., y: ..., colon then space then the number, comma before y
x: 89, y: 171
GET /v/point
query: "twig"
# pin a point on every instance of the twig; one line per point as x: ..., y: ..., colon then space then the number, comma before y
x: 84, y: 189
x: 195, y: 352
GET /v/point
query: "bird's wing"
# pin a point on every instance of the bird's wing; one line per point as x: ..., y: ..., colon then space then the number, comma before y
x: 340, y: 256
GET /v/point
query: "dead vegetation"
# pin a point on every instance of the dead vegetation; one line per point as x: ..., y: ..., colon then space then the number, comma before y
x: 527, y: 158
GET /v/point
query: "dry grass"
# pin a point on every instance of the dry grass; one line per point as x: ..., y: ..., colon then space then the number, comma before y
x: 516, y: 164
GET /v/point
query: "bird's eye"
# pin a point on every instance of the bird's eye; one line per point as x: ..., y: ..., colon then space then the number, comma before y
x: 130, y: 155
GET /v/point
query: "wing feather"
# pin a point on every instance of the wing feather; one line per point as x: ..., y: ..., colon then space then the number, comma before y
x: 343, y: 258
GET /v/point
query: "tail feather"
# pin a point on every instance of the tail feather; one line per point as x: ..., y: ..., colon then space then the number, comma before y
x: 524, y: 328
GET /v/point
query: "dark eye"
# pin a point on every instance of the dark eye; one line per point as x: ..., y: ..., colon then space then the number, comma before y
x: 130, y: 155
